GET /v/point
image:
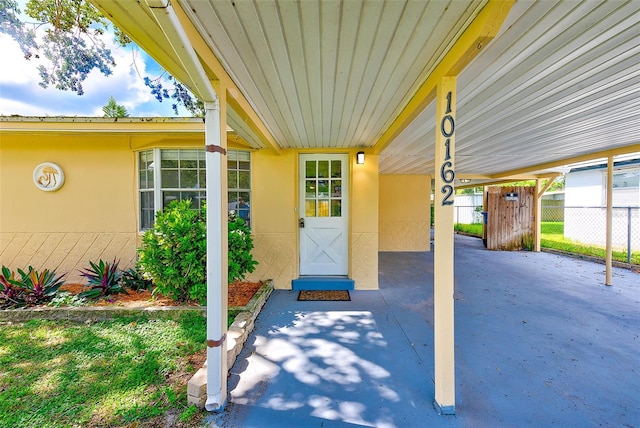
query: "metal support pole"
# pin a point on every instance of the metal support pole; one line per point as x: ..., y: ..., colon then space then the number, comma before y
x: 609, y: 257
x: 628, y: 234
x: 538, y: 215
x: 216, y: 346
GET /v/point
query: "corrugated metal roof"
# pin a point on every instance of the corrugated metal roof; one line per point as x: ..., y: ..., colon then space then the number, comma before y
x: 561, y: 79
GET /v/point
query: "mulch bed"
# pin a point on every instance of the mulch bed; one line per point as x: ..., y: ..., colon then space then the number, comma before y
x: 329, y: 295
x: 240, y: 292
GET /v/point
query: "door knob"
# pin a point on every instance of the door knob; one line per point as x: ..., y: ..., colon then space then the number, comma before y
x: 301, y: 222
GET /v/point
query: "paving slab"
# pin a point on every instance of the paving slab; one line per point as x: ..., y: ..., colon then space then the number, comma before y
x: 540, y: 341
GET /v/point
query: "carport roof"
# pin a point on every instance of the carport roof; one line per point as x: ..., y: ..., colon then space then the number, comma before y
x: 550, y: 83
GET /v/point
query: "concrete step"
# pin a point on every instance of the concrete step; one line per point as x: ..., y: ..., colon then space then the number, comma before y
x: 323, y: 283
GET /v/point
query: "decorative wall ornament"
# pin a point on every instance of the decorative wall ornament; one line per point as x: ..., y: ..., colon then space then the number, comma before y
x: 48, y: 177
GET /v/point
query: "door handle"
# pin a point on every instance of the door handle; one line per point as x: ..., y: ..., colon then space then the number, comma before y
x: 301, y: 222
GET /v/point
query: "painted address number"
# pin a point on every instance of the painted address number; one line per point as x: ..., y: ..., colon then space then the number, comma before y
x: 447, y: 128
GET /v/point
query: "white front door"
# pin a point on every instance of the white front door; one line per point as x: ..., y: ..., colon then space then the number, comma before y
x: 324, y: 214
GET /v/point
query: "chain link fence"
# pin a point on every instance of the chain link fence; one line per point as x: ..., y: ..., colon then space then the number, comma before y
x: 588, y: 226
x: 581, y: 225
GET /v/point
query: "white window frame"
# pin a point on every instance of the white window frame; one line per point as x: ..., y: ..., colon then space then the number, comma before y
x: 158, y: 188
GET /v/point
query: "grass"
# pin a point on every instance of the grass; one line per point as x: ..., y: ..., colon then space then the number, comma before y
x: 123, y: 372
x: 472, y: 229
x: 553, y: 238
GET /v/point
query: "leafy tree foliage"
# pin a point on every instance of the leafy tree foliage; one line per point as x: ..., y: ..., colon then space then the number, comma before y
x: 72, y: 46
x: 113, y: 109
x: 179, y: 94
x: 558, y: 183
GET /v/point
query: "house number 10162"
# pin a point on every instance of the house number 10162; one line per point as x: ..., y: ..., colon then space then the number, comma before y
x: 447, y: 127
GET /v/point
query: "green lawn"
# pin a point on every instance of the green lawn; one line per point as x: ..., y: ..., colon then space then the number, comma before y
x: 114, y: 373
x: 553, y: 238
x: 472, y: 229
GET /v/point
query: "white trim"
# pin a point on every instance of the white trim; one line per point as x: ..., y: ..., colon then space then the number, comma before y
x: 325, y: 224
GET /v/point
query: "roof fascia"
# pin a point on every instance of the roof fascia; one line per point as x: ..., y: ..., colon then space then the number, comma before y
x: 98, y: 124
x: 619, y: 164
x: 567, y: 161
x: 477, y: 35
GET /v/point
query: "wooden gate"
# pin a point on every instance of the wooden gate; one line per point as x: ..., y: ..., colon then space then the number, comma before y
x: 510, y: 221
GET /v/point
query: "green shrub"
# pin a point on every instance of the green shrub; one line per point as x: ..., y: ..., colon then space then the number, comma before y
x: 174, y: 252
x: 65, y: 298
x: 133, y: 279
x: 240, y: 245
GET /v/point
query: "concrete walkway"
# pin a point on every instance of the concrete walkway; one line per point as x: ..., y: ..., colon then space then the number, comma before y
x: 540, y: 342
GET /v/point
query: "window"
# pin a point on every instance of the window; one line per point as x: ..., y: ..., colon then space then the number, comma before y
x: 182, y: 175
x: 626, y: 188
x: 323, y: 188
x: 626, y: 179
x: 145, y: 184
x: 239, y: 183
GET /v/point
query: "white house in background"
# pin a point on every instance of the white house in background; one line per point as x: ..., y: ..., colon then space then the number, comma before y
x: 466, y: 208
x: 585, y: 204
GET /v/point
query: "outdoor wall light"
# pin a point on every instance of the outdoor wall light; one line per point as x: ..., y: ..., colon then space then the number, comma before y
x: 360, y: 158
x: 465, y: 180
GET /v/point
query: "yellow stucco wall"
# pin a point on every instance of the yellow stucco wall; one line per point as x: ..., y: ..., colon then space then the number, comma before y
x: 273, y: 218
x: 364, y: 223
x: 404, y: 212
x: 92, y: 216
x: 95, y: 214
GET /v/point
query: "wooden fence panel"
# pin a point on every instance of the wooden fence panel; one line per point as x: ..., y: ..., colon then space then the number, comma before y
x: 510, y: 218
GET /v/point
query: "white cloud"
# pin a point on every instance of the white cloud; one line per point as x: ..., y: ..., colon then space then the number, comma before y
x: 21, y: 94
x: 21, y: 70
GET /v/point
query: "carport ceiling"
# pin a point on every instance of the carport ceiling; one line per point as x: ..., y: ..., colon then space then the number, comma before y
x: 560, y: 80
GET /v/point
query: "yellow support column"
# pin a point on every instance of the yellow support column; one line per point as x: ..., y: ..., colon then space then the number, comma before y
x: 443, y: 247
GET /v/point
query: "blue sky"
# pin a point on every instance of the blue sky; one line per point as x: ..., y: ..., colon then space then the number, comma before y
x: 20, y: 93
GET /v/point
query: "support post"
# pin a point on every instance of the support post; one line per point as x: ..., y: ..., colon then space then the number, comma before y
x: 443, y: 247
x: 609, y: 256
x: 537, y: 216
x: 215, y: 156
x: 538, y: 207
x: 629, y: 235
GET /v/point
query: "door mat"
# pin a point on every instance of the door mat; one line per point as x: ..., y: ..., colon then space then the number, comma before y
x: 334, y: 295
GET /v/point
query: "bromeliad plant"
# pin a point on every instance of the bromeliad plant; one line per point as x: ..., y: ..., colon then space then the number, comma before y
x: 40, y: 287
x: 10, y: 293
x: 31, y: 288
x: 103, y: 279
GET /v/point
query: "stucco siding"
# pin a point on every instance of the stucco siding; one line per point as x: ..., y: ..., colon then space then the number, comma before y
x: 364, y: 223
x: 66, y: 252
x: 404, y: 236
x: 404, y: 220
x: 364, y: 260
x: 276, y: 254
x: 92, y: 216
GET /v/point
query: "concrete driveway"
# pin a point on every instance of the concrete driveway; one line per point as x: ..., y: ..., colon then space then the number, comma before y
x: 540, y: 342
